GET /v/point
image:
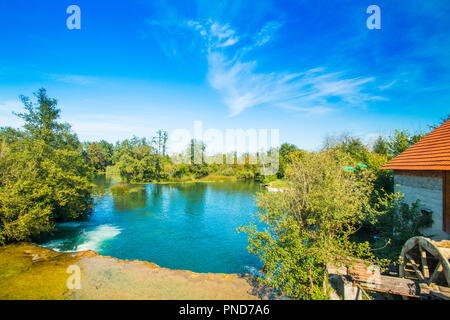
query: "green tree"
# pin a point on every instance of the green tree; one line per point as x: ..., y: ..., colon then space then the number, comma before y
x: 401, y: 141
x: 40, y: 122
x: 443, y: 120
x: 107, y: 151
x: 95, y: 156
x: 136, y: 160
x: 310, y: 224
x: 381, y: 146
x: 361, y: 154
x: 43, y: 176
x: 285, y: 151
x: 400, y: 223
x: 196, y: 150
x: 350, y: 145
x: 161, y: 142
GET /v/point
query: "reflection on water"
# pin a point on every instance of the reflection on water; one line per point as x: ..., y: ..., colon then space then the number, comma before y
x: 180, y: 226
x: 104, y: 182
x: 134, y: 199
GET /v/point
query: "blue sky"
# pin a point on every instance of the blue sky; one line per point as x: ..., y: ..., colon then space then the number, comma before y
x: 307, y: 68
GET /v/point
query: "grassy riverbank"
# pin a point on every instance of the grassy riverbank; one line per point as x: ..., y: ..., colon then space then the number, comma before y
x: 124, y: 187
x: 209, y: 178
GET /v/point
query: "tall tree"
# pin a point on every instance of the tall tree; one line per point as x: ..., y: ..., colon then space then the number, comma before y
x: 381, y: 146
x: 136, y: 160
x: 402, y: 140
x: 43, y: 176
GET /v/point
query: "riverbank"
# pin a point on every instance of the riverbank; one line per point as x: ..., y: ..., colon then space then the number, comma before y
x: 28, y: 271
x: 206, y: 179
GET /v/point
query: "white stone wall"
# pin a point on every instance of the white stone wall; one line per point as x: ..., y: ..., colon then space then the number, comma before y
x: 429, y: 191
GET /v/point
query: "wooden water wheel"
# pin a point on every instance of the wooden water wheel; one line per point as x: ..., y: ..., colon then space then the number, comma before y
x: 424, y: 273
x: 426, y: 261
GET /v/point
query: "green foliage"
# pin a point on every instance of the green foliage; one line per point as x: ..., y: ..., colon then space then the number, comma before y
x: 443, y: 120
x: 286, y: 149
x: 137, y: 160
x: 360, y: 153
x: 400, y: 223
x: 120, y: 188
x: 40, y: 122
x: 161, y: 142
x: 196, y: 152
x: 245, y: 174
x: 285, y: 152
x: 199, y: 170
x: 347, y: 144
x: 381, y: 146
x: 99, y: 154
x: 43, y: 176
x: 310, y: 224
x: 401, y: 141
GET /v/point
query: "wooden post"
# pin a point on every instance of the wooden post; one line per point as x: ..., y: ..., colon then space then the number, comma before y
x: 446, y: 201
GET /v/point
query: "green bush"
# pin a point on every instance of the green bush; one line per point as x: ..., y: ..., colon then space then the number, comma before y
x: 245, y: 175
x: 400, y: 223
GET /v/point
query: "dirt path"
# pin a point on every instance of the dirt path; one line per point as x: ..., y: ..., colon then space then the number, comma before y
x: 31, y: 272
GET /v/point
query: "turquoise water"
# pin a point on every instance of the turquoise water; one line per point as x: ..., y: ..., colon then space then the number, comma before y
x: 179, y: 226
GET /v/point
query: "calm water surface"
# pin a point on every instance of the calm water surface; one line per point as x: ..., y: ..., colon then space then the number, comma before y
x: 179, y: 226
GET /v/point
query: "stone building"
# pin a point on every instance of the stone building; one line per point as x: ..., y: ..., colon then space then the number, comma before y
x: 423, y: 173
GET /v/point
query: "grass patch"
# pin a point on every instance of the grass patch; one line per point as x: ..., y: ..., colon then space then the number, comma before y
x: 279, y: 184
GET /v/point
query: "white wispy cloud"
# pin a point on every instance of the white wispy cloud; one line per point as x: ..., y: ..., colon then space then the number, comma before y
x: 387, y: 85
x: 311, y: 91
x: 217, y: 35
x: 267, y: 32
x: 73, y: 79
x: 242, y: 86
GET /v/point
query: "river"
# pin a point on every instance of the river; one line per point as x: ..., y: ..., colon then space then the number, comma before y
x: 187, y: 226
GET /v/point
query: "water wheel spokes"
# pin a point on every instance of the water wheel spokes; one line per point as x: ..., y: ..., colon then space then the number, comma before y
x: 426, y: 260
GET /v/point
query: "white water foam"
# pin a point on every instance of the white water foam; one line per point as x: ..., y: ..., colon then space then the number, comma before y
x: 55, y: 245
x: 92, y: 240
x: 252, y: 270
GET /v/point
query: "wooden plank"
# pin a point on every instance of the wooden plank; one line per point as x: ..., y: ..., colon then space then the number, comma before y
x: 360, y: 273
x: 416, y: 269
x: 423, y: 258
x: 441, y: 292
x: 402, y: 286
x: 436, y: 272
x: 392, y: 285
x: 363, y: 275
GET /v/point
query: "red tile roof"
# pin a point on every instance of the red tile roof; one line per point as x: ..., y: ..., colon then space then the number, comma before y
x: 432, y: 152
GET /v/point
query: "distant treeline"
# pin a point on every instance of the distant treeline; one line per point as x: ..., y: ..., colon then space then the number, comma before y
x: 146, y: 160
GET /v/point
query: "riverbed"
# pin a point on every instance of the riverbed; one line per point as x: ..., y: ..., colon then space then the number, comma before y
x: 28, y: 271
